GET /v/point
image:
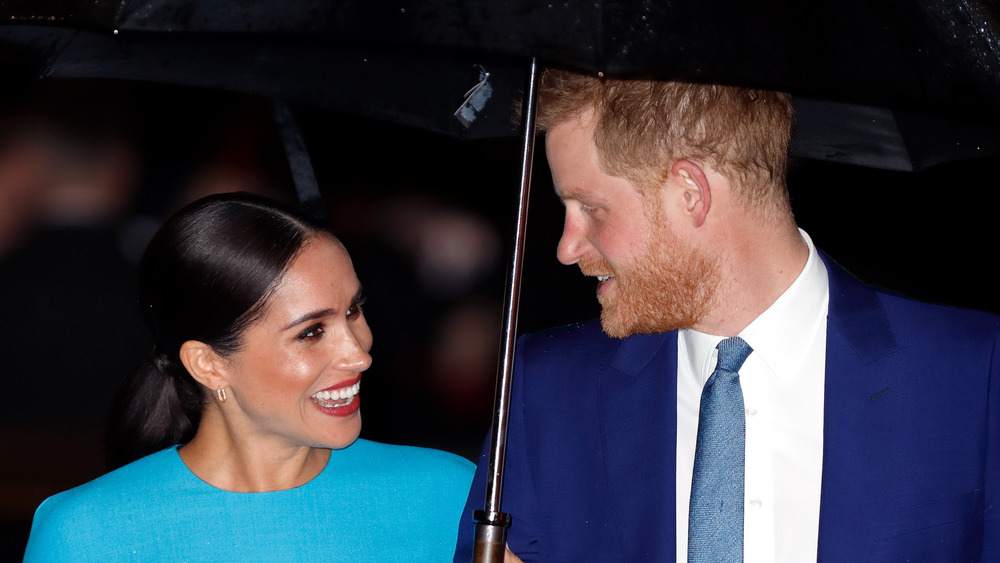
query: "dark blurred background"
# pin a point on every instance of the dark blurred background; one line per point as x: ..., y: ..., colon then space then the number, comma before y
x: 88, y: 170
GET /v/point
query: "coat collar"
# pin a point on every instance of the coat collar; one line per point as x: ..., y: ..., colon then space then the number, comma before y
x: 855, y: 312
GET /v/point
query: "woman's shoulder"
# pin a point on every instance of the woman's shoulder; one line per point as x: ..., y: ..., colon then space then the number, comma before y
x: 78, y: 516
x: 410, y: 458
x: 155, y: 468
x: 402, y: 467
x: 425, y: 488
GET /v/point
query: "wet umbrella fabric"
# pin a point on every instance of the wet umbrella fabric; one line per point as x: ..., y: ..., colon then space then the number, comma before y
x: 413, y: 62
x: 888, y: 51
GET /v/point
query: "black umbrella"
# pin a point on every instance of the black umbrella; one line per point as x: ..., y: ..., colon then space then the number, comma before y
x: 917, y: 53
x: 412, y: 62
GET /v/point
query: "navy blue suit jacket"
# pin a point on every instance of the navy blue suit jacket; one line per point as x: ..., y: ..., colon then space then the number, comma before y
x: 911, y: 440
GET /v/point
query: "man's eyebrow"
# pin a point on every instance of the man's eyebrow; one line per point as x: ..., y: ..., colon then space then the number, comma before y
x: 563, y: 196
x: 310, y: 316
x: 582, y: 194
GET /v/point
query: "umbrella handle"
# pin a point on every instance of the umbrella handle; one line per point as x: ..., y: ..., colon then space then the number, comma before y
x: 491, y: 523
x: 491, y: 537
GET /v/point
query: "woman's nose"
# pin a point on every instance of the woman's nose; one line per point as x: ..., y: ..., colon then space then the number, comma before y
x: 354, y: 347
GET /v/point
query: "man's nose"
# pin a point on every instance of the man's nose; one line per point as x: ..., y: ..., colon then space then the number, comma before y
x: 573, y: 244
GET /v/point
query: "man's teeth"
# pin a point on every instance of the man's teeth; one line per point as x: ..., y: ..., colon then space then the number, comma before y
x: 337, y: 396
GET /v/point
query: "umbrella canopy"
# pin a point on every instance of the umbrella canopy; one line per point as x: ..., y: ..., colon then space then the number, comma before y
x: 414, y: 62
x: 881, y: 53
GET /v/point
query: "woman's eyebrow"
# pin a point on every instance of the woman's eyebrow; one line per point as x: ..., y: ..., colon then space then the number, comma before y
x: 310, y: 316
x: 321, y: 313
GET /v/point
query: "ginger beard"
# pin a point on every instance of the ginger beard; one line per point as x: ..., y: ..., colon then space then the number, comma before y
x: 669, y: 287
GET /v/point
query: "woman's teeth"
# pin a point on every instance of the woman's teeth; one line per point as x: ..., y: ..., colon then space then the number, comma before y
x: 337, y: 397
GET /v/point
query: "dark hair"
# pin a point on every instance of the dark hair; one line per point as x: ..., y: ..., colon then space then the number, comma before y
x: 206, y: 275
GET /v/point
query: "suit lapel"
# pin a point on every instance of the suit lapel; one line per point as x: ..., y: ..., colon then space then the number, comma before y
x: 858, y: 417
x: 638, y: 420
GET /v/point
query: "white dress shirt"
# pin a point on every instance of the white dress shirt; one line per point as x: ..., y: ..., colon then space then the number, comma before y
x: 782, y: 383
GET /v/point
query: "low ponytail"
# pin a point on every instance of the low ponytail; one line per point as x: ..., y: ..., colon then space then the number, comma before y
x: 157, y: 406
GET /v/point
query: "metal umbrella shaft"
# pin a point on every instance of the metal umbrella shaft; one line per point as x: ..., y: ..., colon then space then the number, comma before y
x: 491, y: 523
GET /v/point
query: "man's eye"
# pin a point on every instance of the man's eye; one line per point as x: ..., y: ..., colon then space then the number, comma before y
x: 315, y: 331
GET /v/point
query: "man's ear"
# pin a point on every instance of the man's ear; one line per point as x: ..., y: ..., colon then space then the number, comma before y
x: 695, y: 189
x: 204, y: 364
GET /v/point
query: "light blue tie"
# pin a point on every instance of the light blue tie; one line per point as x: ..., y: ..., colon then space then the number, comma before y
x: 715, y: 521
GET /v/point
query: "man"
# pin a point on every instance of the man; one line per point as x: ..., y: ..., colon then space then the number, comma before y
x: 870, y: 424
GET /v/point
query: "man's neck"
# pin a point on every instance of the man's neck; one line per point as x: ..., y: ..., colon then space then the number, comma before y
x: 757, y: 266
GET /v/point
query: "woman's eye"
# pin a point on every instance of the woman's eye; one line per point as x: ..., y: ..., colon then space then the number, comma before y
x: 356, y: 309
x: 315, y: 331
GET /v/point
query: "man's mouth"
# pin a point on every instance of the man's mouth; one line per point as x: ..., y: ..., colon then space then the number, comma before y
x: 602, y: 283
x: 336, y: 397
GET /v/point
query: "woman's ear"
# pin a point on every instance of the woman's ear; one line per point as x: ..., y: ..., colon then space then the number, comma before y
x: 204, y: 364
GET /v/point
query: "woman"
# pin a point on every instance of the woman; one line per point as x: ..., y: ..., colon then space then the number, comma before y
x: 251, y: 401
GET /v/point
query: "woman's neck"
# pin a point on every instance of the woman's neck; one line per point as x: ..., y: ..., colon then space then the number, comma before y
x: 236, y: 461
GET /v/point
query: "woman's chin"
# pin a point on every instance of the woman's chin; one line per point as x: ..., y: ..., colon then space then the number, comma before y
x: 344, y: 436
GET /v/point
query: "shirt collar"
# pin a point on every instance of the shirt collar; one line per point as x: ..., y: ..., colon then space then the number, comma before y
x: 782, y: 334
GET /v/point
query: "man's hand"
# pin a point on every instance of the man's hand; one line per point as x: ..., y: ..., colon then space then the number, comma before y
x: 509, y: 557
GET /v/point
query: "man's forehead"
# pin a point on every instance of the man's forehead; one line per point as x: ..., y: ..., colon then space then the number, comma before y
x: 569, y: 147
x: 573, y: 134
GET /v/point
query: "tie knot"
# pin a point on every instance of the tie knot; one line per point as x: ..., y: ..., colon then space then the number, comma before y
x: 732, y: 353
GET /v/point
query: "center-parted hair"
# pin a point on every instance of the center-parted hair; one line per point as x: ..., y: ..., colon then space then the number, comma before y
x: 207, y: 275
x: 644, y: 126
